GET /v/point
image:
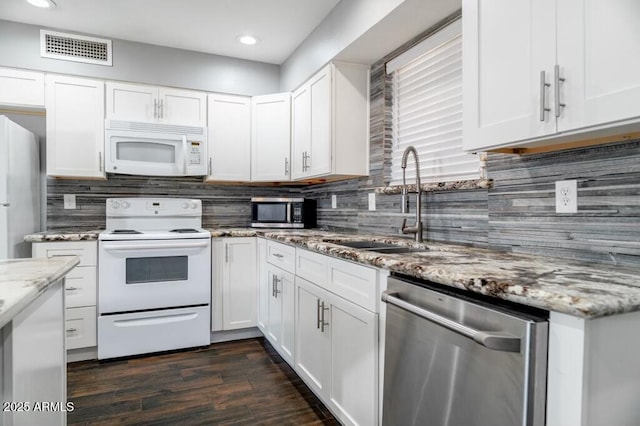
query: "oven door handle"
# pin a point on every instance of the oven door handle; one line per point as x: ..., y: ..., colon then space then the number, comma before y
x: 117, y: 247
x: 496, y: 340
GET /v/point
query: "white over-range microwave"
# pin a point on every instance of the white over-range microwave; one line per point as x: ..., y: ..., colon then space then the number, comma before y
x: 155, y: 149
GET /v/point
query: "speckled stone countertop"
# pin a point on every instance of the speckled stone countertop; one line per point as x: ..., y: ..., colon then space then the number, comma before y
x: 23, y: 280
x: 49, y: 236
x: 576, y: 288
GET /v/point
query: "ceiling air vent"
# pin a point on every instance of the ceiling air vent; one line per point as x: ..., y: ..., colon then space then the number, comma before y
x: 73, y: 47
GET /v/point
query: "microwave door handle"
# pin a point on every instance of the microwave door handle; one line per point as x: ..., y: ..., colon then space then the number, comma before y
x: 289, y: 218
x: 184, y: 155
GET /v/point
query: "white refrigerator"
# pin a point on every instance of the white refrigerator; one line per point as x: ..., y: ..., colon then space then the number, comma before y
x: 19, y: 189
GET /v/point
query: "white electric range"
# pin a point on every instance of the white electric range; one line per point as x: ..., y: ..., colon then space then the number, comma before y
x: 154, y: 277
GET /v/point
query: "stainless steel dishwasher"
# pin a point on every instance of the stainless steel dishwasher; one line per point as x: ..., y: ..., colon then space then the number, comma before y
x: 451, y: 360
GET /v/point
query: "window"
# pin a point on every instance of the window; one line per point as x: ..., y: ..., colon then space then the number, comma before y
x: 427, y: 109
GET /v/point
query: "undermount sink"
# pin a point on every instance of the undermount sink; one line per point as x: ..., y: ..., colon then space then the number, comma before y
x: 367, y: 245
x: 379, y: 247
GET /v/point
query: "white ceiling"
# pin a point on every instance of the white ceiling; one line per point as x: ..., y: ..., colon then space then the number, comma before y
x: 209, y: 26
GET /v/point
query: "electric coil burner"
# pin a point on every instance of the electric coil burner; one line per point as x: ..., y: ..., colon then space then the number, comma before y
x: 154, y: 273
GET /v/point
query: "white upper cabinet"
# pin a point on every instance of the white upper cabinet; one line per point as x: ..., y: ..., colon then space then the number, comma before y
x: 75, y: 127
x: 229, y: 138
x: 545, y: 72
x: 330, y: 123
x: 21, y: 88
x: 150, y: 104
x: 271, y: 137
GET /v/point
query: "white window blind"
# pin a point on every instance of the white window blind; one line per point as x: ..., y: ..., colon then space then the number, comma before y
x: 427, y: 110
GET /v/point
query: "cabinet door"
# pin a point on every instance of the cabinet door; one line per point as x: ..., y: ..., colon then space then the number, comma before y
x: 132, y: 102
x: 75, y: 127
x: 300, y: 131
x: 286, y: 286
x: 271, y: 137
x: 319, y: 160
x: 353, y: 384
x: 598, y: 46
x: 506, y: 46
x: 263, y: 286
x: 239, y: 289
x: 312, y: 340
x: 274, y: 330
x: 229, y: 138
x: 18, y: 87
x: 182, y: 107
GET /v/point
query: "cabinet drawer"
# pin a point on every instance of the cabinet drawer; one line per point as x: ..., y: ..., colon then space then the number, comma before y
x: 80, y: 287
x: 282, y: 256
x: 312, y: 266
x: 80, y: 327
x: 356, y: 283
x: 85, y: 250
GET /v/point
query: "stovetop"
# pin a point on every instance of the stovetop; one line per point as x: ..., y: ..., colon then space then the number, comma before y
x: 131, y: 234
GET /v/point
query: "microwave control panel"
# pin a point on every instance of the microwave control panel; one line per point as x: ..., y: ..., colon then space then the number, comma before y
x: 297, y: 213
x: 195, y: 153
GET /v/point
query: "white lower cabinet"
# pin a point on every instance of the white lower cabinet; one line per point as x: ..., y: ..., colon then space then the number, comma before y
x: 79, y: 295
x: 336, y: 346
x: 239, y: 289
x: 280, y: 328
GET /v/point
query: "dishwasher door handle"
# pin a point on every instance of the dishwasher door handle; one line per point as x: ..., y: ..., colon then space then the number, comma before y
x: 496, y: 340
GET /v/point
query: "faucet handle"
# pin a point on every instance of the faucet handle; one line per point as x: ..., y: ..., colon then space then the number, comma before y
x: 404, y: 224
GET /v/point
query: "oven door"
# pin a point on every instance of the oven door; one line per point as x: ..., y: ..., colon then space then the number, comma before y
x: 152, y: 274
x: 155, y: 154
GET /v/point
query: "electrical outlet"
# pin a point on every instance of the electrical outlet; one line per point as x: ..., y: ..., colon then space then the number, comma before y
x: 567, y: 196
x: 69, y: 201
x: 372, y: 201
x: 334, y: 201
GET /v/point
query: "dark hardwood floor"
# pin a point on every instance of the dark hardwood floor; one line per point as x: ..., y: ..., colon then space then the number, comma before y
x: 235, y: 383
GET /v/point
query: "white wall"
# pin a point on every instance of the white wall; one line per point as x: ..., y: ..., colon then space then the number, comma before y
x: 349, y: 20
x: 139, y: 62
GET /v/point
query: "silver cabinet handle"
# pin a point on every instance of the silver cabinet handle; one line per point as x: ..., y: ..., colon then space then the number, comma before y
x: 323, y: 323
x: 286, y: 166
x: 210, y: 159
x: 273, y: 286
x: 558, y: 80
x: 278, y: 255
x: 100, y: 161
x: 226, y: 253
x: 161, y: 114
x: 318, y: 314
x: 543, y: 91
x: 71, y: 288
x: 496, y: 340
x: 155, y: 108
x: 71, y: 330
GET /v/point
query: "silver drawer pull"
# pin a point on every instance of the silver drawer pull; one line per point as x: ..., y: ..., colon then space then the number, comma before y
x: 278, y: 255
x: 71, y: 288
x: 71, y: 330
x: 496, y: 340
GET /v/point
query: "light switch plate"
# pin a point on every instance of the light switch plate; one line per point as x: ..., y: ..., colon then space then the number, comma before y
x: 567, y: 196
x: 69, y: 201
x: 372, y: 201
x: 334, y: 201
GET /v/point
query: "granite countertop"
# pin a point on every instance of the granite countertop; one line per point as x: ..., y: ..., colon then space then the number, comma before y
x: 23, y: 280
x: 576, y: 288
x: 49, y: 236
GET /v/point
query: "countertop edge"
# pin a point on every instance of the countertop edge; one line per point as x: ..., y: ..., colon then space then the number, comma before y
x: 31, y: 289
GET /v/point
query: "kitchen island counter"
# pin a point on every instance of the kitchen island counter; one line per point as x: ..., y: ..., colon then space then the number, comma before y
x: 24, y: 280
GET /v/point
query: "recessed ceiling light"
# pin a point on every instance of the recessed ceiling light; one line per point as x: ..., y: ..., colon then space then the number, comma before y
x: 247, y: 39
x: 50, y: 4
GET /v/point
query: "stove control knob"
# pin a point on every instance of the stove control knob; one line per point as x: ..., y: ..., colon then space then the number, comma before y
x: 125, y: 205
x: 185, y: 205
x: 194, y: 204
x: 115, y: 204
